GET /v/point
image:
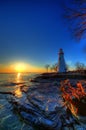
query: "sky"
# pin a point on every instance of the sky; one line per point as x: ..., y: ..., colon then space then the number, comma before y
x: 31, y: 34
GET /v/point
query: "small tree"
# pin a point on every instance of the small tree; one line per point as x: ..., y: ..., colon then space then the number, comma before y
x: 51, y: 69
x: 55, y: 66
x: 47, y: 67
x: 79, y: 66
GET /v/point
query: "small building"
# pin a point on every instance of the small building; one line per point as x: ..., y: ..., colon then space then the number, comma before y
x: 61, y: 62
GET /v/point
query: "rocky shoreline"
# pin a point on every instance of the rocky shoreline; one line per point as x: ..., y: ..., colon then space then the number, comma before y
x: 42, y: 106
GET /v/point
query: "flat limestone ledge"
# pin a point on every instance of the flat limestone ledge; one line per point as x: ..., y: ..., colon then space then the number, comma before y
x: 58, y: 76
x: 43, y: 107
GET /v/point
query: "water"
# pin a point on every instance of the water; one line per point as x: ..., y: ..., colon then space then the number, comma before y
x: 9, y: 83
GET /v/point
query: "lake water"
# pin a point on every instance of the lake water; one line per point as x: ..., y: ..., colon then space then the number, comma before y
x: 9, y: 83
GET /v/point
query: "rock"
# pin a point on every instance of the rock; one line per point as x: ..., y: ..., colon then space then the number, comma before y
x: 43, y: 108
x: 78, y: 127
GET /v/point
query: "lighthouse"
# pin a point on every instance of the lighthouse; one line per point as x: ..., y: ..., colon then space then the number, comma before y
x: 61, y: 62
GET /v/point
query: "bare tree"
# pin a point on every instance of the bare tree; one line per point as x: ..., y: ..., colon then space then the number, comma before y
x: 51, y: 69
x: 79, y: 66
x: 75, y: 14
x: 55, y: 67
x: 47, y: 67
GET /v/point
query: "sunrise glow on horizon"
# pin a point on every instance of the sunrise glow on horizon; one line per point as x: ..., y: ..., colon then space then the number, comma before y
x: 20, y: 68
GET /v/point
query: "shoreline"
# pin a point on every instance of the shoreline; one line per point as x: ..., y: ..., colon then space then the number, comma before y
x: 42, y: 106
x: 59, y: 76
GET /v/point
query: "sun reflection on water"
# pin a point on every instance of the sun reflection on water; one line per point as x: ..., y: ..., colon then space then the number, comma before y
x: 18, y: 92
x: 18, y: 77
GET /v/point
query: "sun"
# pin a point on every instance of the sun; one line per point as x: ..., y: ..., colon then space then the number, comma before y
x: 20, y: 67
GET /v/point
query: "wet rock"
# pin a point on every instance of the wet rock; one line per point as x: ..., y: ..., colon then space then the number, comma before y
x: 42, y: 107
x: 6, y: 93
x: 36, y: 117
x: 38, y: 108
x: 42, y: 122
x: 11, y: 84
x: 78, y: 127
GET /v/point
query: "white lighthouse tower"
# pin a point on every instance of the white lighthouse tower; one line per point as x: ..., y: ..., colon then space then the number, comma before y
x: 61, y: 62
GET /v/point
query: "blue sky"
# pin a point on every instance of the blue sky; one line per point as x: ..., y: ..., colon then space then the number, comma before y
x: 33, y: 31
